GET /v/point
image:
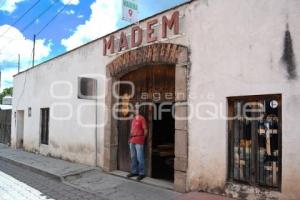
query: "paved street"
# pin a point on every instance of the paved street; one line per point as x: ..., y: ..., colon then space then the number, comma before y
x: 89, y: 179
x: 28, y: 176
x: 11, y: 188
x: 17, y: 183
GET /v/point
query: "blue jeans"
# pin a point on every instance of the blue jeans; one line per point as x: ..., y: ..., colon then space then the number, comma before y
x: 137, y: 159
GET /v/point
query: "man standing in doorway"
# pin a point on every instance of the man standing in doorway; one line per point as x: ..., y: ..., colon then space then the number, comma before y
x: 138, y: 133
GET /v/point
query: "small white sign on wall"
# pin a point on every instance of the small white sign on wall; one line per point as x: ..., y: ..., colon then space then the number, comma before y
x: 274, y: 104
x: 130, y: 10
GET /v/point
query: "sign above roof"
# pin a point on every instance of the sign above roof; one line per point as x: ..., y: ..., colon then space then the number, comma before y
x: 130, y: 10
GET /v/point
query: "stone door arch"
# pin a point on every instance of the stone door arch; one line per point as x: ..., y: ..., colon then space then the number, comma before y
x: 159, y: 53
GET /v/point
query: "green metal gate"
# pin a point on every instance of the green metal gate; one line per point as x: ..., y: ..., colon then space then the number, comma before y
x: 5, y: 126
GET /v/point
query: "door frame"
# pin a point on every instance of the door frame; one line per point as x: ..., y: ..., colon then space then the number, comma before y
x: 149, y: 140
x: 158, y: 53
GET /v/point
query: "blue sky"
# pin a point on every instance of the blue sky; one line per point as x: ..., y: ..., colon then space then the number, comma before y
x: 79, y: 21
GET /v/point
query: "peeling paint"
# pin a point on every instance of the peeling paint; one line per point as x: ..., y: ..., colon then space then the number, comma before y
x: 80, y: 148
x: 54, y: 144
x: 231, y: 49
x: 240, y: 191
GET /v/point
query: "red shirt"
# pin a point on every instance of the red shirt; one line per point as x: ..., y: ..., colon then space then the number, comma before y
x: 138, y: 125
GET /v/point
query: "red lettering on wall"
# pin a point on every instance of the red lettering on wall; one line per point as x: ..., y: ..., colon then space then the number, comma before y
x: 123, y: 44
x: 137, y: 38
x: 150, y: 31
x: 110, y: 44
x: 136, y: 30
x: 173, y: 23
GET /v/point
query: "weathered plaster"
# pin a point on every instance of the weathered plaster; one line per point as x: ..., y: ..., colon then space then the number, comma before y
x: 235, y: 49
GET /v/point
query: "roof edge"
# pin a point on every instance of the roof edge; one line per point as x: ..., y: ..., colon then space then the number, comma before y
x: 88, y: 43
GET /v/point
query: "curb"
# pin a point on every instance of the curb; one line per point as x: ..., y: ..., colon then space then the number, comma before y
x: 62, y: 178
x: 47, y: 174
x: 33, y: 169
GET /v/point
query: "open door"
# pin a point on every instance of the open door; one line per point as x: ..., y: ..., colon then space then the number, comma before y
x: 20, y: 128
x: 163, y: 139
x: 123, y: 146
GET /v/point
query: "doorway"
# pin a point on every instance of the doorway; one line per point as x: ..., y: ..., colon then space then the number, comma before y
x: 20, y: 128
x: 153, y: 86
x: 163, y: 139
x: 166, y: 54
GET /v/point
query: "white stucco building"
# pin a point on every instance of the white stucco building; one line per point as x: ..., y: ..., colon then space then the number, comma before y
x: 219, y: 59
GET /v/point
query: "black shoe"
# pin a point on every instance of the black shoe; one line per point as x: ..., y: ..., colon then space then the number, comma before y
x: 140, y: 177
x: 131, y: 175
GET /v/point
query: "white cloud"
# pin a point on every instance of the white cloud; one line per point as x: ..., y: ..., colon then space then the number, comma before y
x: 103, y: 20
x: 80, y: 16
x: 9, y: 5
x: 70, y: 2
x: 13, y: 43
x: 70, y: 12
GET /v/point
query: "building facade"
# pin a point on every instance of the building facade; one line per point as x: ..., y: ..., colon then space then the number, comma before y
x: 218, y: 83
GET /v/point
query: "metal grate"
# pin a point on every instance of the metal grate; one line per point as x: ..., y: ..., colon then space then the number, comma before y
x: 255, y: 140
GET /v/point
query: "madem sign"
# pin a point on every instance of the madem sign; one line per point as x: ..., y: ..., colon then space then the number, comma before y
x: 155, y: 28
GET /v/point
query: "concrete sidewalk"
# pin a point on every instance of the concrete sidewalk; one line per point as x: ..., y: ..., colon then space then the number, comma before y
x: 50, y: 166
x: 94, y: 180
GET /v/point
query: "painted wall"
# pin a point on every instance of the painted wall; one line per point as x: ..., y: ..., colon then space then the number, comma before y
x: 236, y: 49
x: 55, y: 85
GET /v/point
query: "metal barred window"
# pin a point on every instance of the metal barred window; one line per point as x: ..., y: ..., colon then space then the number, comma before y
x: 45, y: 126
x: 255, y: 140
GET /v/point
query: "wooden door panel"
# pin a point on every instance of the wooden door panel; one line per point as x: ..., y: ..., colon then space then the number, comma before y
x: 123, y: 148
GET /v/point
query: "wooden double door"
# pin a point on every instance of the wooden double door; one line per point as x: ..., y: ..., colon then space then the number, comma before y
x: 153, y: 88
